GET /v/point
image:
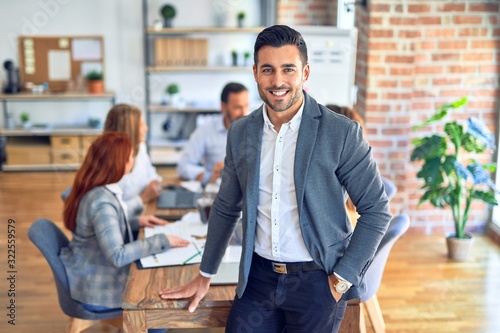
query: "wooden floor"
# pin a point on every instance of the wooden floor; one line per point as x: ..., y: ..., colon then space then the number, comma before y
x: 421, y: 291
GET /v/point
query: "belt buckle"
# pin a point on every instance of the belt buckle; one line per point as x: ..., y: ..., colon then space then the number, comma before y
x: 279, y: 268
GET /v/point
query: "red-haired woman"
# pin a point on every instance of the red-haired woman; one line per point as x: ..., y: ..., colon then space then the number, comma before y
x: 98, y: 257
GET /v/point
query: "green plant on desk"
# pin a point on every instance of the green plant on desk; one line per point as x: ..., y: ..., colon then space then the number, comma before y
x: 94, y: 76
x: 25, y: 117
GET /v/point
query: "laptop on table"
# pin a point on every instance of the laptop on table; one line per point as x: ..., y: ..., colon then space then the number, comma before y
x: 173, y: 196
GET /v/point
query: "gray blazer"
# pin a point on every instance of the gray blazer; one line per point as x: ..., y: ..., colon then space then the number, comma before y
x: 331, y: 157
x: 97, y: 259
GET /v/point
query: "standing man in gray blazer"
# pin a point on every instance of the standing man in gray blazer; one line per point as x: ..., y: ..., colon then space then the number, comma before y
x: 288, y: 167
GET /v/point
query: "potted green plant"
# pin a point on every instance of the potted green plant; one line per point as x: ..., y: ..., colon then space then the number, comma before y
x: 95, y: 82
x: 241, y: 19
x: 173, y: 91
x: 168, y: 13
x: 234, y: 57
x: 246, y: 56
x: 453, y: 177
x: 25, y: 119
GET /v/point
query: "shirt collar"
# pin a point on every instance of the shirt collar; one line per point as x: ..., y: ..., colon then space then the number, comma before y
x: 294, y: 123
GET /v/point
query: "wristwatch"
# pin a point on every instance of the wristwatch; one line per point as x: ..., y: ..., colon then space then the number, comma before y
x: 341, y: 286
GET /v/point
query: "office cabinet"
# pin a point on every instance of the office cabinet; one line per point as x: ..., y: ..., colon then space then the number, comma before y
x: 48, y: 147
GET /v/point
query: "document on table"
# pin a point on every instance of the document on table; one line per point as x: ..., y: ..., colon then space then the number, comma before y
x: 189, y: 227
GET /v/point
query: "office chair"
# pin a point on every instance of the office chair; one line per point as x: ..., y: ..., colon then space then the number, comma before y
x: 390, y: 188
x: 65, y: 193
x: 49, y: 239
x: 369, y: 302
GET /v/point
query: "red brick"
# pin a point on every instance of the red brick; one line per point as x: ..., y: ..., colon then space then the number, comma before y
x: 375, y: 20
x: 422, y: 57
x: 374, y: 70
x: 425, y: 45
x: 496, y: 32
x: 468, y: 32
x: 409, y: 34
x: 452, y: 7
x: 446, y: 81
x: 428, y: 69
x: 484, y: 7
x: 380, y: 8
x: 493, y: 19
x: 485, y: 44
x: 380, y: 33
x: 374, y: 58
x: 421, y: 106
x: 429, y: 20
x: 489, y: 69
x: 446, y: 57
x: 396, y: 96
x: 406, y: 83
x: 401, y: 71
x: 477, y: 57
x: 431, y: 33
x: 402, y: 21
x: 318, y: 7
x: 399, y: 59
x: 420, y: 8
x: 454, y: 93
x: 375, y: 119
x: 377, y: 107
x: 486, y: 93
x: 387, y: 83
x: 421, y: 94
x: 481, y: 105
x: 385, y: 46
x: 467, y: 19
x: 452, y: 44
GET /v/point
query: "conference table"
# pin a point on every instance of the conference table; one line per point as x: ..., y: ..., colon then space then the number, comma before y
x: 143, y: 308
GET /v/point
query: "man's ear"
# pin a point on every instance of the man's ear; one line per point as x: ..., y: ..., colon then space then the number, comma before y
x: 306, y: 71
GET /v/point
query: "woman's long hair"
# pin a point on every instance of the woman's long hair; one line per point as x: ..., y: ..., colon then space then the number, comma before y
x: 125, y: 118
x: 104, y: 164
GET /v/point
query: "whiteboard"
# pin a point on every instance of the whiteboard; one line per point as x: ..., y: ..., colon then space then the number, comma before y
x: 332, y: 58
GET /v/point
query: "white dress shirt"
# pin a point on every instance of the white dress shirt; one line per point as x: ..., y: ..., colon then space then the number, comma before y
x: 278, y: 234
x: 206, y: 146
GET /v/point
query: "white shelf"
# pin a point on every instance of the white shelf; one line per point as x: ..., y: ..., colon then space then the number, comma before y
x: 156, y: 108
x: 39, y: 167
x: 50, y: 131
x: 198, y: 69
x: 208, y: 30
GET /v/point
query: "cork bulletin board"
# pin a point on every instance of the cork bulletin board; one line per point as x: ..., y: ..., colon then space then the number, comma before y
x: 61, y: 61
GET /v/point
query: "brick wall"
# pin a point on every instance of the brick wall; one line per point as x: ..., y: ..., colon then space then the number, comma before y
x: 413, y: 56
x: 307, y: 12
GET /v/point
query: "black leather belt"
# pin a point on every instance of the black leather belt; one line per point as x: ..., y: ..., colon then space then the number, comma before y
x: 287, y: 267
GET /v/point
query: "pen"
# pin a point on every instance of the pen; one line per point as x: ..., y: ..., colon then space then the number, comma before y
x: 190, y: 258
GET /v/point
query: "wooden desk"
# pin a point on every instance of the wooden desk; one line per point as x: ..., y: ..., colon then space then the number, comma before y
x: 143, y: 308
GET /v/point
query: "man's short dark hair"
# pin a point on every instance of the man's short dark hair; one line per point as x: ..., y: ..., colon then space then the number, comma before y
x: 231, y: 87
x: 277, y: 36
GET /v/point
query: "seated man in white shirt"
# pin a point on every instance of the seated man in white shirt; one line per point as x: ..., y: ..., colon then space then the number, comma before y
x: 203, y: 155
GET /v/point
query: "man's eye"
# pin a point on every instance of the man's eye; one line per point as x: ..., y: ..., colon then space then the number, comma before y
x: 289, y: 70
x: 267, y: 70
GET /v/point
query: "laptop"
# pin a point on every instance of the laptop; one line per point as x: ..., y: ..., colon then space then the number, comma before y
x: 227, y: 274
x: 176, y: 197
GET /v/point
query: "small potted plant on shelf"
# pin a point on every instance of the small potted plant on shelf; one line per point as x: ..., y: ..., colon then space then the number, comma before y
x: 246, y: 56
x: 25, y: 120
x: 168, y: 13
x: 234, y: 57
x: 173, y: 91
x: 95, y: 82
x: 241, y: 19
x: 453, y: 177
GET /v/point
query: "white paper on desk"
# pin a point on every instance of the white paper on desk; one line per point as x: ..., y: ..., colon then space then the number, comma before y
x: 192, y: 185
x: 190, y: 225
x: 178, y: 255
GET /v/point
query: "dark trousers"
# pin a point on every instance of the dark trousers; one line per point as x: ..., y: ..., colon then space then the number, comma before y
x: 292, y: 303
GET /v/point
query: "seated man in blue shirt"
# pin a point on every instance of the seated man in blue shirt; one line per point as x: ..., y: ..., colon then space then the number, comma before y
x: 203, y: 155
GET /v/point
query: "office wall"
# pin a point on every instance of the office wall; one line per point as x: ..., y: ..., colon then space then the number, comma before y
x: 120, y: 22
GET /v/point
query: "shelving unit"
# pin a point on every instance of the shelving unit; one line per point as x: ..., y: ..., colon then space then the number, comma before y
x: 48, y: 147
x: 164, y: 150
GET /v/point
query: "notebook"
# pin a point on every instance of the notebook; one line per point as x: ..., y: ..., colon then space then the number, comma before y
x: 227, y: 274
x: 176, y: 197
